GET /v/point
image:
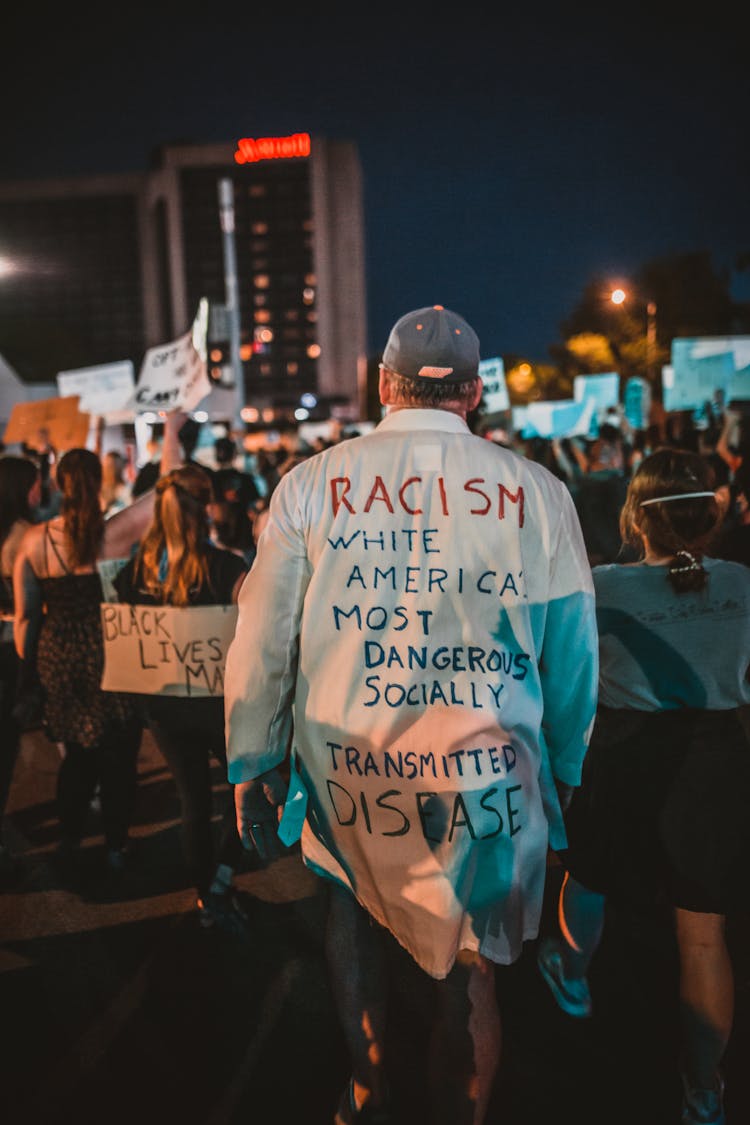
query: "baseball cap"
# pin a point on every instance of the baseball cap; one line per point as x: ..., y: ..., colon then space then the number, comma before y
x: 433, y: 343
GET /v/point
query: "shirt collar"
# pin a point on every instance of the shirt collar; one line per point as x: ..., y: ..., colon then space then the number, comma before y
x: 414, y: 418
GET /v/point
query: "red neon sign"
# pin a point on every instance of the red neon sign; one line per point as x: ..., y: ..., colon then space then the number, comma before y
x: 249, y: 150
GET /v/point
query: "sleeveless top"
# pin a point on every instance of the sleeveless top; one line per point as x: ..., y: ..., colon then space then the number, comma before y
x: 70, y: 659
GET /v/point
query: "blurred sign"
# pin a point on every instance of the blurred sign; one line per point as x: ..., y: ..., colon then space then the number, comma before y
x: 557, y: 419
x: 703, y: 367
x: 250, y: 150
x: 495, y: 391
x: 102, y: 390
x: 637, y: 403
x: 163, y: 650
x: 57, y: 419
x: 174, y: 376
x: 603, y: 388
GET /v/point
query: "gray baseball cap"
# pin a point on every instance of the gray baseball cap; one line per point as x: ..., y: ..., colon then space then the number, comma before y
x: 433, y: 343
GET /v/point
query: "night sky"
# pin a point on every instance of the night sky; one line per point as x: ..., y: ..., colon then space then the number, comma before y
x: 503, y: 168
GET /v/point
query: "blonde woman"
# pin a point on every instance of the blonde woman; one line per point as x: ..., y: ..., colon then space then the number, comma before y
x: 177, y: 564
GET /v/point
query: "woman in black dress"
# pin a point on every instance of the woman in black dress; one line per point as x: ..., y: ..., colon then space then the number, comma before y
x: 58, y: 593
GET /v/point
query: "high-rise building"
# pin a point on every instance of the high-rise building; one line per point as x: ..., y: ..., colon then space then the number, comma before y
x: 96, y: 270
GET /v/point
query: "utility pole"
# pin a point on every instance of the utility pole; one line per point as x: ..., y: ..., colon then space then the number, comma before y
x: 650, y: 339
x: 231, y: 297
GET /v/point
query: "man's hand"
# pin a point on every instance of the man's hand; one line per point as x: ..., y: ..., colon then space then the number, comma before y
x: 564, y: 794
x: 259, y: 804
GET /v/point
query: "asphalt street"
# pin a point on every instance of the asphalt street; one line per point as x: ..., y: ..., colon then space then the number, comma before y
x: 118, y: 1007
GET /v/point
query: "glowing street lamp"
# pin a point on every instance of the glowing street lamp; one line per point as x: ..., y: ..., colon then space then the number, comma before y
x: 618, y: 297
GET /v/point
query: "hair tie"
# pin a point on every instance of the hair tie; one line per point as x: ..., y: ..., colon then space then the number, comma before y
x: 692, y: 563
x: 674, y: 496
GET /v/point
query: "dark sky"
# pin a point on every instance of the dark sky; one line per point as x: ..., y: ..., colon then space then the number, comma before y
x: 503, y: 167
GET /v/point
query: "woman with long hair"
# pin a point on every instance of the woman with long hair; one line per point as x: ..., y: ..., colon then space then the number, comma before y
x: 660, y: 819
x: 20, y: 494
x: 58, y: 593
x: 177, y: 564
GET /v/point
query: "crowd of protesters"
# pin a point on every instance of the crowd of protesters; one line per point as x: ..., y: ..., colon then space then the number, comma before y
x: 186, y: 528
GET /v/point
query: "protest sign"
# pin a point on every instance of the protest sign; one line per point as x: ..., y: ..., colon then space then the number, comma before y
x: 174, y: 376
x: 558, y: 419
x: 495, y: 391
x: 704, y: 367
x: 163, y: 650
x: 103, y: 390
x: 57, y: 419
x: 637, y: 402
x: 604, y: 388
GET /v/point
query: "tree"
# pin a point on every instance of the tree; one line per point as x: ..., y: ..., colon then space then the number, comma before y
x: 688, y: 298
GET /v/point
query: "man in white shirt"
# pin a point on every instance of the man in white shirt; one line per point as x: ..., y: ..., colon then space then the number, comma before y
x: 418, y: 633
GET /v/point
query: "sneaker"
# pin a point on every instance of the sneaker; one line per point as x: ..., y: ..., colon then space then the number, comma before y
x: 225, y: 912
x: 348, y: 1114
x: 703, y: 1107
x: 571, y: 994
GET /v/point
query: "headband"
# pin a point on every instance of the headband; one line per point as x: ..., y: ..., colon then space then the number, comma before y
x: 674, y: 496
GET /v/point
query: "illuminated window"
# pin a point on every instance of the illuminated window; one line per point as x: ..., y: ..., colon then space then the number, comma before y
x: 308, y: 296
x: 260, y: 299
x: 266, y: 369
x: 310, y: 279
x: 311, y: 317
x: 262, y: 316
x: 313, y: 351
x: 216, y: 355
x: 259, y: 228
x: 261, y: 281
x: 291, y: 314
x: 246, y: 353
x: 292, y: 368
x: 265, y: 335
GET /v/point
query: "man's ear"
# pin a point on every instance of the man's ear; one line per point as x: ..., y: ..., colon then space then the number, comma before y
x: 477, y: 394
x: 384, y: 387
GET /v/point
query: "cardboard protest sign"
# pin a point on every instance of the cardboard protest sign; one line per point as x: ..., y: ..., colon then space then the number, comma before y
x: 103, y: 390
x: 495, y: 390
x: 174, y: 376
x: 163, y: 650
x: 65, y: 425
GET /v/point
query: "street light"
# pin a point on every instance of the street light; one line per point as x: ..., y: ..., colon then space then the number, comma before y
x: 618, y: 297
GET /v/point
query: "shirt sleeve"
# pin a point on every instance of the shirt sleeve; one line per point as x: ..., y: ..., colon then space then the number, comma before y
x: 569, y: 664
x: 261, y: 665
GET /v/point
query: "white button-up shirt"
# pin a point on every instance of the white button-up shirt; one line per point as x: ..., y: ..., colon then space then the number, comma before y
x: 418, y: 627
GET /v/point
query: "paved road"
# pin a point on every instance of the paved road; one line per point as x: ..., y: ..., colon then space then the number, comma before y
x: 118, y: 1008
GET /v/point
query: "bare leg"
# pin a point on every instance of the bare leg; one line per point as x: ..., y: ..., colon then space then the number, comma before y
x: 357, y: 970
x: 465, y: 1044
x: 706, y: 995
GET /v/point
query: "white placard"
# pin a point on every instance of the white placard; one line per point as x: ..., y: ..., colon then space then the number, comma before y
x: 495, y: 392
x: 102, y: 389
x: 174, y: 376
x: 163, y: 650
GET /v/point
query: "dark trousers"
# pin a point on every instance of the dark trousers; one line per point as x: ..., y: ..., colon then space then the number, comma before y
x: 188, y: 733
x: 9, y: 730
x: 113, y: 765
